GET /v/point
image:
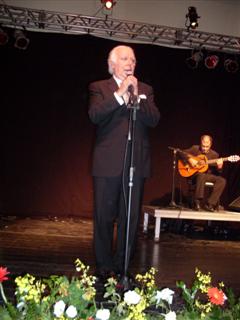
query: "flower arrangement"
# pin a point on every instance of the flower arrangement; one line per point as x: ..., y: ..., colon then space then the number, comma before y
x: 60, y: 298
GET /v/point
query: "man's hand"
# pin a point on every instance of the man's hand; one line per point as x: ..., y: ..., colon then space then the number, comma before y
x: 193, y: 162
x: 220, y: 163
x: 128, y: 81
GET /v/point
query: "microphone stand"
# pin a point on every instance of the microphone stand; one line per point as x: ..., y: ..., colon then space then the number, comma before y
x: 133, y: 105
x: 172, y: 203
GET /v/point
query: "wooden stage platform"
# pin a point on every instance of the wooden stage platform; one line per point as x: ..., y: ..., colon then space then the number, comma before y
x: 183, y: 213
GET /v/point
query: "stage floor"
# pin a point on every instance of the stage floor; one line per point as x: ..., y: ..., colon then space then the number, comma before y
x: 50, y: 245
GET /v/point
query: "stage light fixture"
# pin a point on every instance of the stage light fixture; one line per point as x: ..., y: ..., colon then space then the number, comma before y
x: 42, y: 19
x: 192, y: 18
x: 231, y: 66
x: 108, y: 4
x: 21, y: 41
x: 3, y: 37
x: 193, y: 61
x: 107, y: 7
x: 211, y: 61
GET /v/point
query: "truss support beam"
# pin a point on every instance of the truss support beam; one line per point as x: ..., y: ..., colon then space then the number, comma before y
x: 49, y: 21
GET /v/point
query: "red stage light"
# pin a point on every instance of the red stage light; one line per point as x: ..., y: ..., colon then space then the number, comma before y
x: 211, y: 61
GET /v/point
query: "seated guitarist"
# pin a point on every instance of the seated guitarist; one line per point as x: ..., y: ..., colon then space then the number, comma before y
x: 212, y: 173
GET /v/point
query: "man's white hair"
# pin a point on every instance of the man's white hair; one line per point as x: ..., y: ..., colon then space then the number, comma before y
x: 112, y: 57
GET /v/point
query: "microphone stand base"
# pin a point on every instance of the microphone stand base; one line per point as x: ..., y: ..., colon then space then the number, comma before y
x: 173, y: 204
x: 126, y: 283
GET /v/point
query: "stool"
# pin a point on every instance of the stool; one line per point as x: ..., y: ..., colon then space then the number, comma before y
x: 191, y: 190
x: 211, y: 185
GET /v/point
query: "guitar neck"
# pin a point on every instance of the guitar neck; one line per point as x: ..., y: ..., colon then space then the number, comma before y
x: 215, y: 160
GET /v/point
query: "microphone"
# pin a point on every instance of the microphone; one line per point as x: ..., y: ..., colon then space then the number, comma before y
x: 130, y: 88
x: 132, y: 97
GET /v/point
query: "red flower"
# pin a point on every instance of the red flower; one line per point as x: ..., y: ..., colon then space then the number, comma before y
x: 216, y: 296
x: 3, y: 273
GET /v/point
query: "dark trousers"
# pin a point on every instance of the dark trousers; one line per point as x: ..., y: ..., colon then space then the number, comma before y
x: 219, y: 185
x: 110, y: 208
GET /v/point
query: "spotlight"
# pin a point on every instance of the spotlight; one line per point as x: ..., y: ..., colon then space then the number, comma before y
x: 231, y: 66
x: 108, y: 4
x: 193, y: 17
x: 107, y: 7
x: 3, y: 37
x: 211, y: 61
x: 194, y: 60
x: 21, y: 41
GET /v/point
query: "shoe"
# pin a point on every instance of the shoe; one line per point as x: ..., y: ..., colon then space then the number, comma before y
x: 118, y: 273
x: 100, y: 276
x: 197, y: 205
x: 209, y: 207
x: 220, y: 208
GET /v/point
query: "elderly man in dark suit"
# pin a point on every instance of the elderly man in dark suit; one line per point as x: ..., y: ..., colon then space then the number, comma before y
x: 108, y: 109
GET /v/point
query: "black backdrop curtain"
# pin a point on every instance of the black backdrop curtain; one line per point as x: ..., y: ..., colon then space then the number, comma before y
x: 47, y: 138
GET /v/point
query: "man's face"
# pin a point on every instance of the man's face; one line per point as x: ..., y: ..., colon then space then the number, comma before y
x: 206, y: 144
x: 125, y: 63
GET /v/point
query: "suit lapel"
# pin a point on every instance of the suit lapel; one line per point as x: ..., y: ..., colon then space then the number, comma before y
x: 112, y: 84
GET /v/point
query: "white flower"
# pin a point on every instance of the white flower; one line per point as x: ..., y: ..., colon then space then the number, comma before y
x: 103, y: 314
x: 20, y: 305
x: 131, y: 297
x: 165, y: 294
x: 71, y: 312
x: 170, y: 316
x: 59, y: 308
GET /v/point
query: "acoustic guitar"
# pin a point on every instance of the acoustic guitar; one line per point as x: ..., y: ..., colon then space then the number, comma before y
x: 186, y: 170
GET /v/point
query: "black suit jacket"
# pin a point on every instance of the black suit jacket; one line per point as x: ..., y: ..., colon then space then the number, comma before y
x: 112, y: 120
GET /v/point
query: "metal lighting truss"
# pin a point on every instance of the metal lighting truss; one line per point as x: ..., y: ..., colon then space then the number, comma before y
x: 49, y: 21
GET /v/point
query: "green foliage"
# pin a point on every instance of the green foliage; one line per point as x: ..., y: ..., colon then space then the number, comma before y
x: 234, y: 304
x: 9, y: 312
x: 189, y: 295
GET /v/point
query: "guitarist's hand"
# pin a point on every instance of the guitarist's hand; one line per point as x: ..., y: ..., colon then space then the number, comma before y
x: 193, y: 162
x: 220, y: 163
